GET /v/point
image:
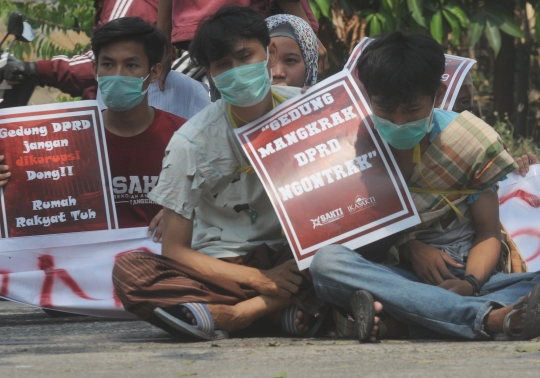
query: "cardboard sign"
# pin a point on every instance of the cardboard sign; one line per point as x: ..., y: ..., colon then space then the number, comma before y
x: 454, y: 74
x: 60, y: 180
x: 330, y: 177
x: 519, y: 200
x: 456, y: 69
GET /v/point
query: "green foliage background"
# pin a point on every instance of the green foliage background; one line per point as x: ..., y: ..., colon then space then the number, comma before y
x: 46, y: 18
x: 440, y: 18
x: 451, y: 22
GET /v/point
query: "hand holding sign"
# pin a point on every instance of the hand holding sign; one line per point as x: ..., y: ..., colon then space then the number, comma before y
x: 4, y: 172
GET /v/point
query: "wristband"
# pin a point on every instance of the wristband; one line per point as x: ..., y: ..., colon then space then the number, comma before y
x: 470, y: 278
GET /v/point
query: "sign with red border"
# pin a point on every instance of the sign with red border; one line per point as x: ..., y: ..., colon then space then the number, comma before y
x: 60, y: 180
x: 330, y: 177
x: 454, y: 73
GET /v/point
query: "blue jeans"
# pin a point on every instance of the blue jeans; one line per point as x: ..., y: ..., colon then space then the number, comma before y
x: 338, y: 272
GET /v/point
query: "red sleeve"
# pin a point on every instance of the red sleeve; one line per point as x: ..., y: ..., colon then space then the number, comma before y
x: 71, y: 75
x: 112, y: 9
x: 311, y: 17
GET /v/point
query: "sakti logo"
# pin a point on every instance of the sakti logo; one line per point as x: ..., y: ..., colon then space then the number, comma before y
x: 328, y: 217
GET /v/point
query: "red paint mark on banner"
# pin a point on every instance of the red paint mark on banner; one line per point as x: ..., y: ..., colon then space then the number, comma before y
x: 529, y: 232
x: 529, y: 198
x: 5, y: 282
x: 46, y: 263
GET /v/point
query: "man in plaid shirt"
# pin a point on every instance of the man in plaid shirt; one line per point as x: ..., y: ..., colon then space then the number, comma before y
x: 446, y: 281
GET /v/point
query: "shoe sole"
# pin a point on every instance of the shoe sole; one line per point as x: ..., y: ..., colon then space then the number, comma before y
x: 363, y: 311
x: 182, y: 326
x: 532, y: 316
x: 531, y: 324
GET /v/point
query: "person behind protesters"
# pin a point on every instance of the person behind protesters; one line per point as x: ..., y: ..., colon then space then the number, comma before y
x: 451, y: 164
x: 128, y: 54
x: 465, y: 102
x: 75, y: 75
x: 179, y: 21
x: 297, y: 51
x: 224, y: 261
x: 465, y: 97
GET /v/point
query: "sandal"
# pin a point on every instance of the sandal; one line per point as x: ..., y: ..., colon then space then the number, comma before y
x: 176, y: 318
x: 531, y: 324
x: 389, y: 328
x: 363, y: 312
x: 288, y: 316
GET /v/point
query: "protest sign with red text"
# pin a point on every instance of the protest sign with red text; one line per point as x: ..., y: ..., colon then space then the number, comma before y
x: 59, y: 237
x: 60, y: 179
x: 330, y: 177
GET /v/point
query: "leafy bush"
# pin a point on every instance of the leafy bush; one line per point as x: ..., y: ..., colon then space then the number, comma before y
x: 49, y: 17
x: 517, y: 146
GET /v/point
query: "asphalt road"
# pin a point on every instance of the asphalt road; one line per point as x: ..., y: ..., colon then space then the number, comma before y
x: 32, y: 344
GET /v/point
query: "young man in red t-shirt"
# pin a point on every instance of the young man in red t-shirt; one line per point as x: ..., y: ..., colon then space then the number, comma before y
x: 128, y: 54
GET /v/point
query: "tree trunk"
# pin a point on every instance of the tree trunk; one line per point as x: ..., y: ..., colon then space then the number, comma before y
x: 522, y: 83
x: 522, y: 89
x: 503, y: 77
x: 503, y: 71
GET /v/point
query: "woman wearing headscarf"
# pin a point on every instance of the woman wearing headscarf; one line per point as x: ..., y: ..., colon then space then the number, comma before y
x: 297, y: 49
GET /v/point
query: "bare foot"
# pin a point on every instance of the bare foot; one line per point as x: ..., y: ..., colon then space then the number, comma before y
x: 303, y: 321
x: 378, y: 308
x: 225, y: 317
x: 494, y: 320
x: 241, y: 315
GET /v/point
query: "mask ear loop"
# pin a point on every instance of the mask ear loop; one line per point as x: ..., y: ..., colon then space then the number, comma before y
x: 431, y: 116
x: 147, y: 76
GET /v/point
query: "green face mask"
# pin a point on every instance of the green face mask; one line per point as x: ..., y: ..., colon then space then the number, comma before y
x: 245, y: 85
x: 121, y: 93
x: 406, y: 136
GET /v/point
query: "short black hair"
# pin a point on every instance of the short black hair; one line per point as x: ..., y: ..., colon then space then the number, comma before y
x: 399, y: 66
x: 131, y: 28
x: 217, y: 35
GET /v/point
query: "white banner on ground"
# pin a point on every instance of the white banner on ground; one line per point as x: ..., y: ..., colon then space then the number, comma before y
x: 519, y: 200
x: 72, y: 273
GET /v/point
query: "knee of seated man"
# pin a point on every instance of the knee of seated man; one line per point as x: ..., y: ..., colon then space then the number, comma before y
x: 123, y: 266
x: 326, y: 259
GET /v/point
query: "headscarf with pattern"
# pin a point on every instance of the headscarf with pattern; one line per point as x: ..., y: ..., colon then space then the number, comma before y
x: 306, y: 39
